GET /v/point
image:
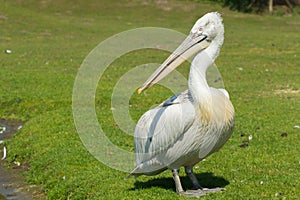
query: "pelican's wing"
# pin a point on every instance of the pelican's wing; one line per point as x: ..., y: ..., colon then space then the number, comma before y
x: 160, y: 128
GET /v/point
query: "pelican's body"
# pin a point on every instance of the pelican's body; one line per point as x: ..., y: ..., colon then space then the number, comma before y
x: 173, y: 134
x: 189, y: 126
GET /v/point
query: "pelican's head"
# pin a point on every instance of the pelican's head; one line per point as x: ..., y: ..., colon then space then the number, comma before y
x: 207, y: 31
x: 210, y: 25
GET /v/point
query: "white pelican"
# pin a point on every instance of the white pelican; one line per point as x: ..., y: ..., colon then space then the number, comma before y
x: 191, y: 125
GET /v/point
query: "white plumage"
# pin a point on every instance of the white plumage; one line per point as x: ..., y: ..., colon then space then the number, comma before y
x: 191, y: 125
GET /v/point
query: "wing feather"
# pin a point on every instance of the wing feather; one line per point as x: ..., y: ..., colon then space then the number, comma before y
x: 159, y: 128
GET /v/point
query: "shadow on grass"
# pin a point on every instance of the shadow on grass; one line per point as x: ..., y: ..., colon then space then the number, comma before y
x: 207, y: 180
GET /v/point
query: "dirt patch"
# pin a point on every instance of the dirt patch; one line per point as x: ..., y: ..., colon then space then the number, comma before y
x: 12, y: 183
x: 287, y: 91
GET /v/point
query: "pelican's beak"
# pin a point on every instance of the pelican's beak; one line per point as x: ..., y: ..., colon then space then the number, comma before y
x: 192, y: 44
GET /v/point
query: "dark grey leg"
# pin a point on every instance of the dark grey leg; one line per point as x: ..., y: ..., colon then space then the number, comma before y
x: 196, y: 186
x: 191, y: 175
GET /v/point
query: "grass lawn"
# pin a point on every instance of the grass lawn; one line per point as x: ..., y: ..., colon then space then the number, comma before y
x: 49, y: 40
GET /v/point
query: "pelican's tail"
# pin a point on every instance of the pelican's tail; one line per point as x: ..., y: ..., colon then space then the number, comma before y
x: 133, y: 174
x: 146, y: 169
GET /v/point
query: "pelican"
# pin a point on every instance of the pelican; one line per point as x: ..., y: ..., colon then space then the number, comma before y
x: 188, y: 127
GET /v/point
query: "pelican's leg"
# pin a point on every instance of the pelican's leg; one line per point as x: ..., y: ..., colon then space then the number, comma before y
x: 191, y: 175
x: 196, y: 186
x: 179, y: 189
x: 177, y: 181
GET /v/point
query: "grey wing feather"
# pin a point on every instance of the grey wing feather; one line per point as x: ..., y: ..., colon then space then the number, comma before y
x: 160, y: 128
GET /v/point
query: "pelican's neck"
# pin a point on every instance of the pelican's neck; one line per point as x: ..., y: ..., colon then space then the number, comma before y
x: 198, y: 86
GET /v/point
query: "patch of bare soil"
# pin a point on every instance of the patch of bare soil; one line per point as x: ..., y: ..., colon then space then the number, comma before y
x: 287, y: 91
x: 12, y: 183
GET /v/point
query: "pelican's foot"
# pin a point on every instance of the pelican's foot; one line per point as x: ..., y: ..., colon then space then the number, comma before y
x: 206, y: 190
x: 192, y: 193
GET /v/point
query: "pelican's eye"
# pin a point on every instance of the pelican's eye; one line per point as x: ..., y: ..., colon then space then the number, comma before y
x: 200, y: 31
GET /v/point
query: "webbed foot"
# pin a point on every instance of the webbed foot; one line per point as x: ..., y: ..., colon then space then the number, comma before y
x: 207, y: 190
x: 200, y: 192
x: 192, y: 193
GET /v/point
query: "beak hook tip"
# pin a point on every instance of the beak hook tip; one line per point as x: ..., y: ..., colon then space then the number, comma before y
x: 139, y: 91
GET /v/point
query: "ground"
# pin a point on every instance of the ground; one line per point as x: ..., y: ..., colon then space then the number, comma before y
x: 12, y: 183
x: 48, y: 41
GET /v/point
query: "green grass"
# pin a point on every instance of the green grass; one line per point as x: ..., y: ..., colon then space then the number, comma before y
x: 50, y: 39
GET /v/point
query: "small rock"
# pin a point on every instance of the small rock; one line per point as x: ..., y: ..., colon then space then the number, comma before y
x: 278, y: 193
x: 8, y: 51
x: 4, y: 153
x: 261, y: 182
x: 283, y: 134
x: 2, y: 129
x: 244, y: 145
x: 250, y: 137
